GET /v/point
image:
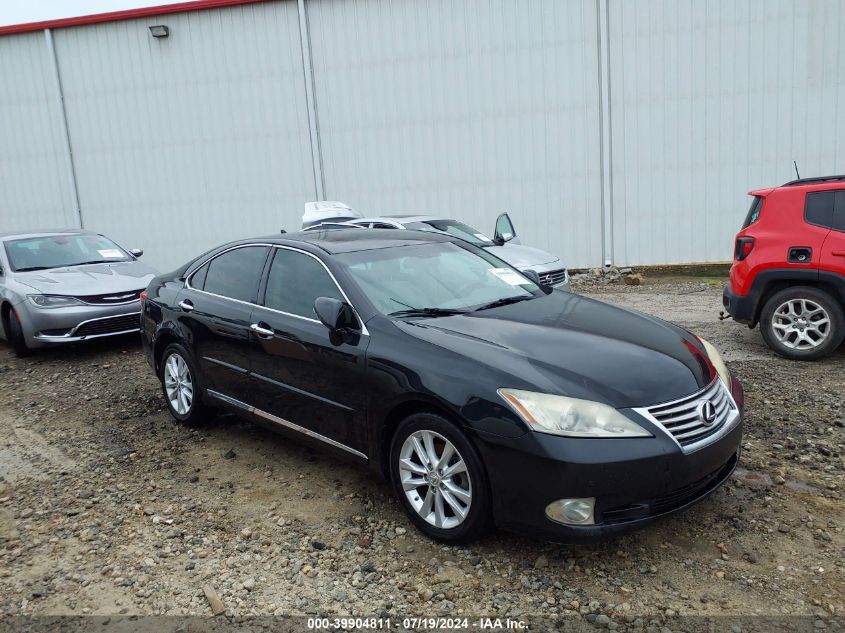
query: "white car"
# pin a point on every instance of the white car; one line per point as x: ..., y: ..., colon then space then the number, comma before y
x: 505, y: 244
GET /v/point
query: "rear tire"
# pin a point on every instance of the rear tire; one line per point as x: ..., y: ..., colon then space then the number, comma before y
x: 802, y: 323
x: 182, y: 393
x: 15, y: 335
x: 447, y: 496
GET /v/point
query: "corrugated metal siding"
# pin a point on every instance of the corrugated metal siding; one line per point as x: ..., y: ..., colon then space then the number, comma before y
x: 711, y: 99
x: 34, y: 181
x: 186, y: 142
x: 466, y: 109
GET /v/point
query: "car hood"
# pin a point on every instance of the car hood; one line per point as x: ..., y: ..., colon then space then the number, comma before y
x: 571, y: 345
x: 90, y: 279
x: 520, y: 256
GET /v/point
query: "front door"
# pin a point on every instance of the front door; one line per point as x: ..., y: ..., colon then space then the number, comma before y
x: 299, y: 375
x: 833, y: 249
x: 217, y: 302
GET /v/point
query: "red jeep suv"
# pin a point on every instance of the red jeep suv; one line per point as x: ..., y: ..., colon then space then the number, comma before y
x: 788, y: 273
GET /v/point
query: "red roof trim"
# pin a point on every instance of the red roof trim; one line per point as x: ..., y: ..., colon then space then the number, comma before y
x: 114, y: 16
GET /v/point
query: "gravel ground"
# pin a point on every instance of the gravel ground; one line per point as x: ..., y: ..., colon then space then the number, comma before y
x: 109, y: 507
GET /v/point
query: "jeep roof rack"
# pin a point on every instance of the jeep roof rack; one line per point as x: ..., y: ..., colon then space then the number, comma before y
x: 811, y: 181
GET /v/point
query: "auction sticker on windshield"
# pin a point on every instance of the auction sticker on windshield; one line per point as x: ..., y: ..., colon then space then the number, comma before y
x: 508, y: 276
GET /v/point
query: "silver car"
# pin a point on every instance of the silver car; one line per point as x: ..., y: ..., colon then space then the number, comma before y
x: 67, y: 286
x: 505, y: 244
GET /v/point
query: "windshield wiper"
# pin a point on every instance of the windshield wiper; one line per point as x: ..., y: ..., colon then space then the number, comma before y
x: 502, y: 302
x: 30, y: 269
x: 96, y: 261
x: 432, y: 312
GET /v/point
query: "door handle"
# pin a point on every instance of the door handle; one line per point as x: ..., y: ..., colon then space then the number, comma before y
x: 186, y: 305
x: 259, y: 329
x: 838, y: 253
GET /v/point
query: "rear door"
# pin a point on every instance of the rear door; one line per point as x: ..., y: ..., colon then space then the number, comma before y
x: 300, y: 377
x: 833, y: 250
x: 217, y: 305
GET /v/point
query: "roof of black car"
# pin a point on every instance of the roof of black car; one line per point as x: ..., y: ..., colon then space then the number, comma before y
x: 346, y: 241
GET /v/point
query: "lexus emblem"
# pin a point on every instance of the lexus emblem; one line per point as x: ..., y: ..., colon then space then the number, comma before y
x: 707, y: 413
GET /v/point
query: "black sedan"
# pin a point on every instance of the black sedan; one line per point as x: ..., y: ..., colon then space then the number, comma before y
x: 484, y: 397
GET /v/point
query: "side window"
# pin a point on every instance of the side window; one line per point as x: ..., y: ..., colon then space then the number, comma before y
x: 382, y: 225
x: 818, y: 209
x: 236, y: 273
x: 198, y: 278
x: 296, y: 280
x: 839, y: 212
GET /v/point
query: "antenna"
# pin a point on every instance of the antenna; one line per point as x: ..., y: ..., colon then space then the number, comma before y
x: 797, y: 175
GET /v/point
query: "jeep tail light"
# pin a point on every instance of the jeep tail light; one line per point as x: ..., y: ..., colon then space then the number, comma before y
x: 744, y: 246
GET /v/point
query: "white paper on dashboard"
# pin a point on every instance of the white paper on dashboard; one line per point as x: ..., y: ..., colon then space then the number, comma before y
x: 508, y: 276
x: 107, y: 253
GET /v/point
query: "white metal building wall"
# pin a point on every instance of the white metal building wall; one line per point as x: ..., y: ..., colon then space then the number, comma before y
x: 654, y: 115
x: 192, y: 140
x: 712, y: 99
x: 466, y: 109
x: 34, y: 177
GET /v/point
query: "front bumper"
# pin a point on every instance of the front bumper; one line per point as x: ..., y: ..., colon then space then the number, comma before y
x: 56, y: 326
x: 634, y: 481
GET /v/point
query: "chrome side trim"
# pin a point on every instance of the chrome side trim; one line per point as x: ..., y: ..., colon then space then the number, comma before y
x: 364, y: 331
x: 235, y: 403
x: 234, y: 368
x: 285, y: 423
x: 301, y: 392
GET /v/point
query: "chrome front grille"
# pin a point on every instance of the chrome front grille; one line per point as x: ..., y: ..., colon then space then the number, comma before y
x: 114, y: 298
x: 694, y: 421
x: 553, y: 277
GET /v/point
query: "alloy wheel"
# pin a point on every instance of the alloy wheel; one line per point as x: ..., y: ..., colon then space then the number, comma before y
x: 435, y: 479
x: 801, y: 324
x: 178, y: 384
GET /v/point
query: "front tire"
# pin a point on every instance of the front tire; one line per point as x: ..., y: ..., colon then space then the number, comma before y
x: 16, y: 337
x: 178, y: 376
x: 440, y: 479
x: 802, y: 323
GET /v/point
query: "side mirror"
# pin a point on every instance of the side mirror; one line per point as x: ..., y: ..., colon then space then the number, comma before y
x: 136, y: 252
x: 504, y: 231
x: 534, y: 276
x: 336, y: 316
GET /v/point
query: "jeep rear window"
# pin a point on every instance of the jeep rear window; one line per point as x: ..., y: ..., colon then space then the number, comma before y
x: 753, y: 212
x: 818, y: 208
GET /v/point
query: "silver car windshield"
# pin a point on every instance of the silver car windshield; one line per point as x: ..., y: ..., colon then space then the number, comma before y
x: 455, y: 229
x: 57, y: 251
x: 435, y: 277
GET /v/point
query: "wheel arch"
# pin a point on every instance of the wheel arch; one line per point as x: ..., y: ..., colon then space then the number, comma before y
x: 399, y: 411
x: 165, y: 338
x: 772, y: 281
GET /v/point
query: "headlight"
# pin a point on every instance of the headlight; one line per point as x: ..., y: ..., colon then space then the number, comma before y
x: 718, y: 363
x: 54, y: 301
x: 571, y: 417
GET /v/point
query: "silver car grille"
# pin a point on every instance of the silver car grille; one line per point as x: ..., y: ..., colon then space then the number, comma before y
x: 698, y: 419
x: 553, y: 277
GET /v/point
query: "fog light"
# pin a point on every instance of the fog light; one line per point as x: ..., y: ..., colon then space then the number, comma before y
x: 572, y: 511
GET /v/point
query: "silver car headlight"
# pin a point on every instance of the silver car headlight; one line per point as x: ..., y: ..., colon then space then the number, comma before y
x: 571, y: 417
x: 54, y: 301
x: 717, y: 361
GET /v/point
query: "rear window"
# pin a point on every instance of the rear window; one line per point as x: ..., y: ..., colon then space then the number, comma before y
x: 753, y: 212
x: 818, y: 208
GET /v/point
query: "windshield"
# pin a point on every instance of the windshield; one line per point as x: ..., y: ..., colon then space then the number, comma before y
x: 455, y: 229
x: 435, y: 276
x: 56, y: 251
